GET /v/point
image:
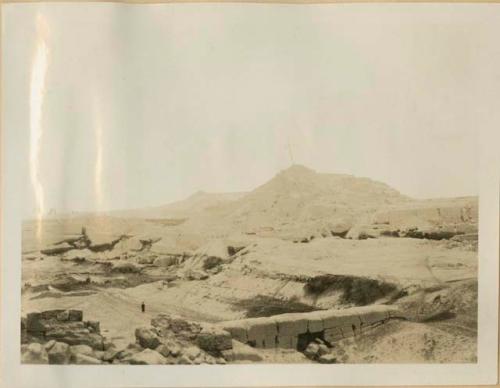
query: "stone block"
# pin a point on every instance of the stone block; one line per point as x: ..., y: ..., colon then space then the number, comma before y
x: 51, y: 314
x: 241, y: 353
x: 63, y: 316
x: 269, y: 342
x: 94, y: 326
x: 237, y: 329
x: 285, y: 341
x: 147, y: 357
x: 59, y: 353
x: 81, y: 349
x: 83, y: 359
x: 34, y: 353
x: 214, y: 339
x: 75, y: 315
x: 315, y: 322
x: 34, y: 323
x: 291, y: 324
x: 340, y: 318
x: 146, y: 337
x: 347, y: 331
x: 371, y: 317
x: 333, y: 335
x: 261, y: 327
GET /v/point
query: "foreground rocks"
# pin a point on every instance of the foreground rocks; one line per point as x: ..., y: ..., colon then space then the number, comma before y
x: 241, y: 353
x: 34, y: 353
x: 62, y: 337
x: 65, y: 326
x: 173, y: 340
x: 214, y: 339
x: 324, y: 352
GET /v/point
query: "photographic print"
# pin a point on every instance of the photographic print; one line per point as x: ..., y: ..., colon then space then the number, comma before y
x: 247, y: 184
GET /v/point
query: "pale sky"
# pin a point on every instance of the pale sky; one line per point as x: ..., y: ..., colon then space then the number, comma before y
x: 135, y: 106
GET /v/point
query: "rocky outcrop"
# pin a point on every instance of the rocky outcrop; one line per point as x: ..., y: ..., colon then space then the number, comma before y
x: 80, y: 241
x: 146, y: 244
x: 107, y: 246
x: 436, y: 234
x: 81, y: 247
x: 57, y: 250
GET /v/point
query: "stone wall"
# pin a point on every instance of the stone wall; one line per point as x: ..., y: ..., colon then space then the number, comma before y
x: 287, y: 330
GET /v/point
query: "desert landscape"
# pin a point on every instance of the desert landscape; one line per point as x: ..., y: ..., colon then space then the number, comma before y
x: 309, y: 267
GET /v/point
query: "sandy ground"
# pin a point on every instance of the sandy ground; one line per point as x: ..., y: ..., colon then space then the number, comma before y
x: 118, y: 311
x: 409, y: 342
x: 266, y: 270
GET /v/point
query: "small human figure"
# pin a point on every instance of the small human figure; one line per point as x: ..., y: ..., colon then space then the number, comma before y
x: 143, y: 307
x: 87, y: 280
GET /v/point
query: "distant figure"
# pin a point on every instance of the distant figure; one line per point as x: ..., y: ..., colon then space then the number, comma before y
x: 143, y: 307
x: 87, y: 280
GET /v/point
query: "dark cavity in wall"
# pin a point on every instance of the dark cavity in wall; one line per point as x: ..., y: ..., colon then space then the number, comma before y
x: 305, y: 339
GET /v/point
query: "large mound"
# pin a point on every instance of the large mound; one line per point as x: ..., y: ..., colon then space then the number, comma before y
x: 297, y: 202
x: 299, y: 195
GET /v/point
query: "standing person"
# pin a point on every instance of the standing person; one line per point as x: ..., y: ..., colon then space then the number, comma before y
x: 143, y: 307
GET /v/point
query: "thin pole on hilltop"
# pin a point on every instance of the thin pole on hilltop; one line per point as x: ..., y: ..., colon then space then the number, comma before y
x: 290, y: 151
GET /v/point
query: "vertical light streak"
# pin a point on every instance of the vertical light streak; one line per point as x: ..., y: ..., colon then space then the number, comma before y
x: 37, y: 92
x: 99, y: 153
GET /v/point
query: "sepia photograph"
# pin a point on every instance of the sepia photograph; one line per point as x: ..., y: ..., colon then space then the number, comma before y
x: 218, y: 184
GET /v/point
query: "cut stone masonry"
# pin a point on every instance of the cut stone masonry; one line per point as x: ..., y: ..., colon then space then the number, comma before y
x: 292, y: 330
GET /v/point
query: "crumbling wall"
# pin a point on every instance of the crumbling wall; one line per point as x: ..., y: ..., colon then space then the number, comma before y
x: 286, y: 330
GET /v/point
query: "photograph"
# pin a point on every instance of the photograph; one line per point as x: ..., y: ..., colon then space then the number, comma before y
x: 218, y: 184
